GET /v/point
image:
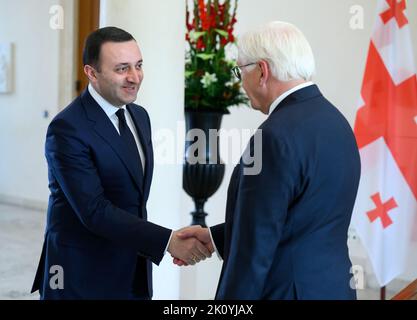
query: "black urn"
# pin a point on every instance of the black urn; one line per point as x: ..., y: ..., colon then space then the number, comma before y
x: 203, y: 170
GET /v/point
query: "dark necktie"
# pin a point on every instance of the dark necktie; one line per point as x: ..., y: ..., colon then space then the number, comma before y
x: 129, y: 140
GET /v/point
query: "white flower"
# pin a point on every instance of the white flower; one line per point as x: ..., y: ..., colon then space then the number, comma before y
x: 231, y: 52
x: 208, y: 79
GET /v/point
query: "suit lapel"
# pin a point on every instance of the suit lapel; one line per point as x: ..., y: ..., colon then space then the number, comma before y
x: 146, y: 146
x: 105, y: 129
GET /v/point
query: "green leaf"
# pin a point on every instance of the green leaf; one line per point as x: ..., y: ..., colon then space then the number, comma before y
x: 194, y: 35
x: 189, y: 73
x: 205, y: 56
x: 222, y: 33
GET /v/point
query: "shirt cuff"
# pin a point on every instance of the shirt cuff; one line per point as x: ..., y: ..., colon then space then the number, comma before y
x: 169, y: 240
x: 214, y: 245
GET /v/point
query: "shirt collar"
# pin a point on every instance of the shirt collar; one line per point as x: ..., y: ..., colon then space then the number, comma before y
x: 275, y: 104
x: 107, y: 107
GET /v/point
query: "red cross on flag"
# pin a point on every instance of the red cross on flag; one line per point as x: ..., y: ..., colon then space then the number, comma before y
x: 386, y: 132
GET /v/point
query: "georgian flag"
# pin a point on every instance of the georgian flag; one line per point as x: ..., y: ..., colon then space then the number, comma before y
x: 385, y: 211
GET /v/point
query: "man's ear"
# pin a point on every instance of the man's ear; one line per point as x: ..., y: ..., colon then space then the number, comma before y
x: 90, y: 72
x: 265, y: 72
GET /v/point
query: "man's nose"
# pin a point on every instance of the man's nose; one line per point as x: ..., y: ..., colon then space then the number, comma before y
x: 134, y: 76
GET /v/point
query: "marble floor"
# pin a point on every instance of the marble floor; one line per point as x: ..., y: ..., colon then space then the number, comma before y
x: 21, y: 236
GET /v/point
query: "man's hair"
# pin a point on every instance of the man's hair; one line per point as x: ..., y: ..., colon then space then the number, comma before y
x: 93, y: 43
x: 283, y: 46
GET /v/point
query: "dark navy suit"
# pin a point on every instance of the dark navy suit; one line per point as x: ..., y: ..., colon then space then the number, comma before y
x: 97, y: 228
x: 285, y: 235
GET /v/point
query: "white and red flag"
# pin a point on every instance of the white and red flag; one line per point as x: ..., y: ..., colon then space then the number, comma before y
x: 386, y: 131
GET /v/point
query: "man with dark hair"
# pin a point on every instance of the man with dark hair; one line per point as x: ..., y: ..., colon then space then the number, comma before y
x: 91, y: 54
x: 98, y: 242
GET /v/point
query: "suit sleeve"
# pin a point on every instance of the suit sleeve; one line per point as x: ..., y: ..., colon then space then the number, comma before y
x: 217, y: 233
x: 71, y: 163
x: 261, y: 208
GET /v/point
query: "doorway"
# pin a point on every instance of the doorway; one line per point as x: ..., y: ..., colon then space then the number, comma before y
x: 88, y: 21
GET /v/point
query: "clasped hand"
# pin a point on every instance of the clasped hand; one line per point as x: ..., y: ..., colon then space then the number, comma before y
x: 190, y: 245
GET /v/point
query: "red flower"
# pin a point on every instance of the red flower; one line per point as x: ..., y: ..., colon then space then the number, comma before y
x: 205, y: 23
x: 210, y: 16
x: 209, y: 28
x: 200, y: 44
x: 231, y: 36
x: 190, y: 26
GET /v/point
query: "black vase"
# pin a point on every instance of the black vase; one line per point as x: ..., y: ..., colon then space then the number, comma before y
x: 203, y: 169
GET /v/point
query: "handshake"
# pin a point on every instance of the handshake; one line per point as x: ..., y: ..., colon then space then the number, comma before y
x: 190, y: 245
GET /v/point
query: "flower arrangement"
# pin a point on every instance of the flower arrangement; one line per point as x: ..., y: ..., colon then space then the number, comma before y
x: 209, y: 82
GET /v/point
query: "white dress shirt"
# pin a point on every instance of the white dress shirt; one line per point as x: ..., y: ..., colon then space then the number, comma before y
x: 110, y: 111
x: 286, y: 94
x: 214, y: 245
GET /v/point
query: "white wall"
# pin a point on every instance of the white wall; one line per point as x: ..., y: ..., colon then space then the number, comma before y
x: 37, y: 83
x: 35, y: 90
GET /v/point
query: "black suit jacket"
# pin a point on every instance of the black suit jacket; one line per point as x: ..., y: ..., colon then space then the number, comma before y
x: 285, y: 235
x: 97, y: 228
